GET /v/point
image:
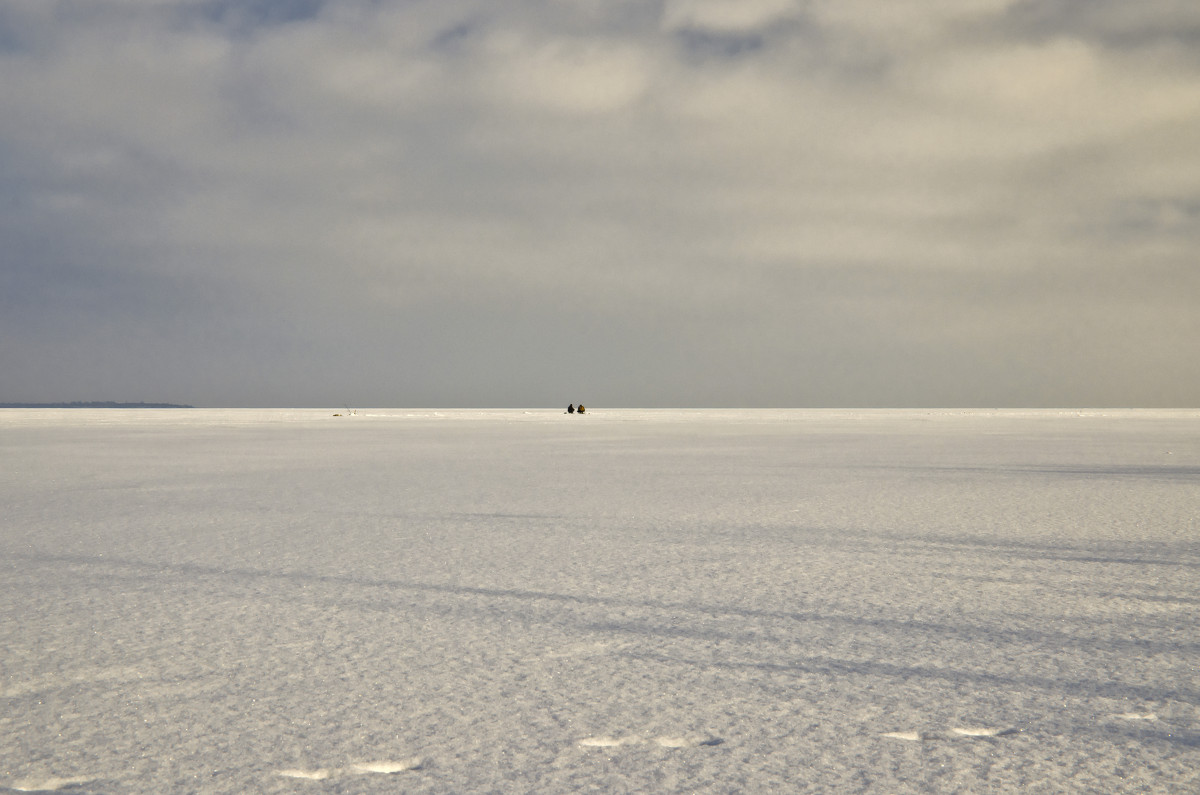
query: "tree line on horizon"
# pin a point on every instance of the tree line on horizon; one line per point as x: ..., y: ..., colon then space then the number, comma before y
x: 94, y: 404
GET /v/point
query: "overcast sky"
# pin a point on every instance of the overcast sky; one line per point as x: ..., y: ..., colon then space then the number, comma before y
x: 622, y: 202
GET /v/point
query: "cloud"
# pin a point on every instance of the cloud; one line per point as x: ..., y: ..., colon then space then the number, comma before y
x: 761, y: 202
x: 575, y: 77
x: 721, y: 16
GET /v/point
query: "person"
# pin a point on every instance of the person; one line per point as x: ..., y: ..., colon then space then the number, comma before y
x: 580, y: 409
x: 571, y: 409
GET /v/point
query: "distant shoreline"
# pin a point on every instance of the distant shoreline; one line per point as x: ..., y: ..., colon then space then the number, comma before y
x: 94, y: 404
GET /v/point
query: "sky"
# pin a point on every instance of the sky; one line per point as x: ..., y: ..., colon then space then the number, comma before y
x: 642, y: 203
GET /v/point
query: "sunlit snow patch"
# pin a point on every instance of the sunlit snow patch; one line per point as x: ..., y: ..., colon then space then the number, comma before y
x: 1137, y: 716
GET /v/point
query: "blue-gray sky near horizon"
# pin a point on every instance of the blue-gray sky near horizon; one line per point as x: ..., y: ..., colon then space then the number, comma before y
x: 625, y: 202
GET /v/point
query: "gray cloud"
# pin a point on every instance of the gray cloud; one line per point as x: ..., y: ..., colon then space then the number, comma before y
x: 631, y: 203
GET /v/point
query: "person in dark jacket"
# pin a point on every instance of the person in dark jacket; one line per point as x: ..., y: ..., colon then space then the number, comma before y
x: 571, y: 409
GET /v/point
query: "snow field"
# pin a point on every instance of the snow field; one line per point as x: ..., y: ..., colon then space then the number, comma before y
x: 441, y: 601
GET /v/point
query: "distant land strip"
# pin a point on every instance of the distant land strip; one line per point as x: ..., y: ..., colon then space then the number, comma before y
x: 94, y: 404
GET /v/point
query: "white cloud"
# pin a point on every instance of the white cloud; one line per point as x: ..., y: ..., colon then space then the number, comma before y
x: 727, y: 15
x: 570, y: 76
x: 1063, y: 85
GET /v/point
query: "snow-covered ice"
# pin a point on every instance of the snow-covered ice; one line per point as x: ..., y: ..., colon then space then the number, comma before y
x: 231, y: 601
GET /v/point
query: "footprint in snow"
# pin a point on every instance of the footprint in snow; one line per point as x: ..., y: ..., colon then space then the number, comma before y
x: 387, y: 767
x: 358, y: 768
x: 910, y: 736
x: 320, y: 774
x: 689, y: 741
x: 982, y: 731
x: 608, y: 742
x: 958, y: 731
x: 48, y: 784
x: 666, y: 741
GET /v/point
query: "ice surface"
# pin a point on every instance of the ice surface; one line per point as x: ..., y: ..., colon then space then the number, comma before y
x: 626, y: 601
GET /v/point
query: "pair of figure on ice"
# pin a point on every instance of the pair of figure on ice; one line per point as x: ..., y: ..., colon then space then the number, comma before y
x: 571, y: 409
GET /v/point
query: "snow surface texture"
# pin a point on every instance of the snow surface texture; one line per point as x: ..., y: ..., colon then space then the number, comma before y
x: 627, y: 601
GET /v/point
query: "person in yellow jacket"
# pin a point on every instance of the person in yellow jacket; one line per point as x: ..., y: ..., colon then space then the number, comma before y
x: 581, y: 409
